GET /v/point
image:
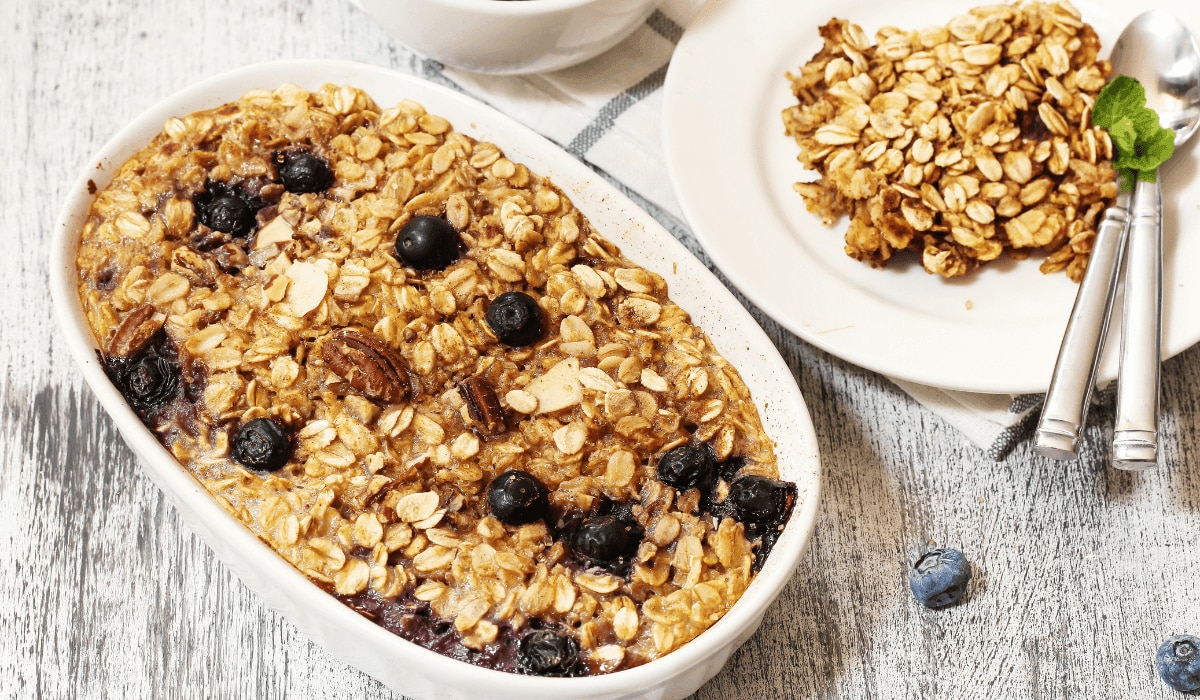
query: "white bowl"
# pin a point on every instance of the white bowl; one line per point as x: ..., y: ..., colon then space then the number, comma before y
x: 509, y: 36
x: 404, y: 666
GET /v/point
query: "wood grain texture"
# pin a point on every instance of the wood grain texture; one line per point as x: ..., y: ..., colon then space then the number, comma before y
x: 1080, y: 571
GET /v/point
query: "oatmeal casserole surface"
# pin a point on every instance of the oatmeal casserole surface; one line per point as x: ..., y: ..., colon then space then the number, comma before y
x: 411, y: 367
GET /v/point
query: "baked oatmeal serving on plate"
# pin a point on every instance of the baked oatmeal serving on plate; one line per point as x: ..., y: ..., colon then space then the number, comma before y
x: 959, y: 142
x: 412, y: 367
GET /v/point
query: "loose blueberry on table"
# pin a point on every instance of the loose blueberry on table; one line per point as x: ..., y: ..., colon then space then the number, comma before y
x: 1178, y: 663
x: 427, y: 243
x: 515, y: 318
x: 939, y: 577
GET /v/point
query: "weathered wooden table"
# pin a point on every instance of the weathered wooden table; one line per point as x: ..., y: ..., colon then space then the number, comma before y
x: 1080, y: 571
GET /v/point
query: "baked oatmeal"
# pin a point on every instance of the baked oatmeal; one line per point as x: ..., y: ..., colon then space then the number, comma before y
x: 959, y: 142
x: 411, y: 367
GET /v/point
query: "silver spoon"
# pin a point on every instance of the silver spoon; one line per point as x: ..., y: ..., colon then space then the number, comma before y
x: 1160, y: 52
x: 1065, y: 408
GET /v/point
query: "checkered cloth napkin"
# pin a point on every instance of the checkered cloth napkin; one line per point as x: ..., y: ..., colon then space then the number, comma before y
x: 608, y: 112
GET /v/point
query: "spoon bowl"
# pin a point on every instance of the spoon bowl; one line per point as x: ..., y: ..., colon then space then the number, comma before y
x: 1159, y: 51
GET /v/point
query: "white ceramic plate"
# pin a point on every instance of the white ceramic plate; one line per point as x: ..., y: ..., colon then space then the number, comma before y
x: 404, y: 666
x: 733, y: 166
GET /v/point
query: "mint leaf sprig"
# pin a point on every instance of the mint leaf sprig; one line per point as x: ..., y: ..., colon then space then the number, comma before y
x: 1141, y: 143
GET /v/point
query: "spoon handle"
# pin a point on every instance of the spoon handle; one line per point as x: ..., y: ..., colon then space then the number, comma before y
x: 1065, y: 408
x: 1135, y: 436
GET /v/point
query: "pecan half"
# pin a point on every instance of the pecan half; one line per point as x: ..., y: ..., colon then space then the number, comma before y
x: 135, y: 332
x: 483, y: 405
x: 367, y: 365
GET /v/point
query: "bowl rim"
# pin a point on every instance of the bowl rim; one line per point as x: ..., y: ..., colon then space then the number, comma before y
x: 512, y: 8
x: 177, y: 483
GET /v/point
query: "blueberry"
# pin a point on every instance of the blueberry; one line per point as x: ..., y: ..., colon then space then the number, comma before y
x: 607, y: 506
x: 151, y: 382
x: 227, y: 208
x: 546, y: 653
x: 427, y: 243
x: 686, y: 466
x: 228, y: 214
x: 728, y: 469
x: 761, y: 502
x: 515, y: 318
x: 516, y: 497
x: 1178, y: 663
x: 769, y: 539
x: 150, y: 379
x: 606, y: 540
x: 939, y: 578
x: 301, y: 171
x: 262, y: 445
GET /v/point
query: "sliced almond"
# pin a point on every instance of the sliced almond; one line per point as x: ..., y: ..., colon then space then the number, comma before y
x: 308, y: 288
x: 558, y: 388
x: 278, y: 231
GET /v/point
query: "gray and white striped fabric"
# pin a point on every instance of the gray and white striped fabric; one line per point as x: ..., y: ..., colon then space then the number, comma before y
x: 607, y: 112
